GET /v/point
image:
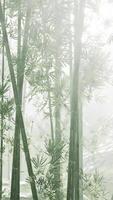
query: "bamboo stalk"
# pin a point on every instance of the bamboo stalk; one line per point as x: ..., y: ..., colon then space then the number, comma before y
x: 15, y: 180
x: 74, y: 182
x: 15, y: 187
x: 17, y: 102
x: 2, y: 115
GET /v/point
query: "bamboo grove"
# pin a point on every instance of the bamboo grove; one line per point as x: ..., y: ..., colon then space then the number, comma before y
x: 42, y: 45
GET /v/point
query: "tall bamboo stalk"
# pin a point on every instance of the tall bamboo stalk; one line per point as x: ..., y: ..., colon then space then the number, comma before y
x: 15, y: 181
x: 20, y: 117
x: 15, y: 187
x: 2, y: 115
x: 50, y: 108
x: 73, y: 187
x: 45, y: 59
x: 57, y: 173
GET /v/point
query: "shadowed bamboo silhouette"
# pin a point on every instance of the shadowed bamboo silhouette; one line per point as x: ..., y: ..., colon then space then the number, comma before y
x: 74, y: 182
x: 18, y: 107
x: 21, y: 55
x: 2, y: 114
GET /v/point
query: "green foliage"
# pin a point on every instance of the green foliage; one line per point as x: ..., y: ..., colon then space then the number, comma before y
x: 8, y: 104
x: 6, y: 111
x: 7, y: 107
x: 44, y: 167
x: 93, y: 186
x: 43, y: 178
x: 95, y: 68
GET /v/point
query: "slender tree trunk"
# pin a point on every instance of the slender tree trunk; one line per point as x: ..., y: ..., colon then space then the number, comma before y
x: 81, y: 146
x: 57, y: 130
x: 45, y: 59
x: 2, y: 125
x: 50, y: 108
x: 20, y: 117
x: 2, y: 115
x: 57, y: 172
x: 73, y: 188
x: 15, y: 187
x: 15, y: 181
